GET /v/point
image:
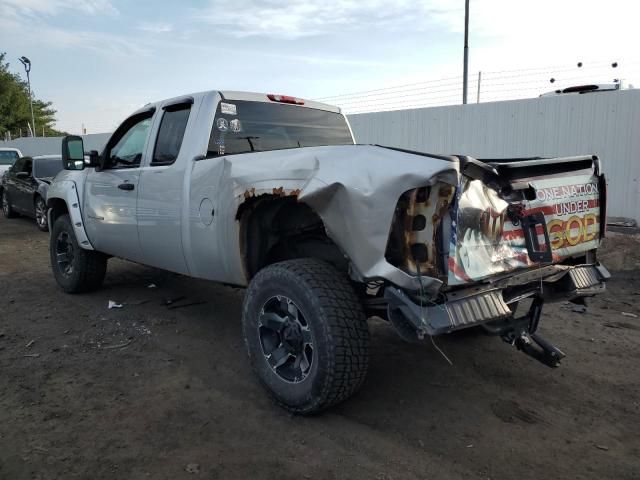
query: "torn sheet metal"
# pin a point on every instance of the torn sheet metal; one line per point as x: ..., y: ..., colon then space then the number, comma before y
x: 485, y: 241
x: 353, y: 188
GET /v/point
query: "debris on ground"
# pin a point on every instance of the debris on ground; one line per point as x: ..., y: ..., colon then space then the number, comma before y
x: 113, y: 304
x: 171, y: 301
x: 627, y: 314
x: 119, y: 345
x: 152, y: 285
x: 628, y: 326
x: 579, y: 308
x: 30, y: 343
x: 602, y: 447
x: 192, y: 468
x: 197, y: 302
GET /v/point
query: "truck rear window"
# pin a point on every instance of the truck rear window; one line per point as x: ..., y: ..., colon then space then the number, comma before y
x: 244, y: 126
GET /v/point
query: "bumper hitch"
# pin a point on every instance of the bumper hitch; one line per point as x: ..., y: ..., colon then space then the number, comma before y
x: 525, y: 338
x: 542, y: 350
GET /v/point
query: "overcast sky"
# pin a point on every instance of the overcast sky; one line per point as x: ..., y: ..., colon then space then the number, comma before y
x: 98, y: 60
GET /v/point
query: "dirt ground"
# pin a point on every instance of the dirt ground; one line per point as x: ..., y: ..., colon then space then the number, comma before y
x: 148, y: 391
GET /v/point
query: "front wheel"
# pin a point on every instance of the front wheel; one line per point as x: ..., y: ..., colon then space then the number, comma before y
x: 306, y: 334
x: 41, y: 214
x: 75, y: 269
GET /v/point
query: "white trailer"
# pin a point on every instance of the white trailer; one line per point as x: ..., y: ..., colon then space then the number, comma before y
x: 606, y: 124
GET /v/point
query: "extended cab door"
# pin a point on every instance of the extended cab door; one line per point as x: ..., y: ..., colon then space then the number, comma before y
x: 110, y: 193
x: 161, y: 192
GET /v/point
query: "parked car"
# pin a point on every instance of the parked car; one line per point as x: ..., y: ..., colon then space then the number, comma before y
x: 582, y: 89
x: 270, y: 192
x: 8, y: 157
x: 24, y: 187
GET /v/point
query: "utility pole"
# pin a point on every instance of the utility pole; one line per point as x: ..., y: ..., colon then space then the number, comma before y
x: 27, y: 68
x: 479, y: 80
x: 465, y: 73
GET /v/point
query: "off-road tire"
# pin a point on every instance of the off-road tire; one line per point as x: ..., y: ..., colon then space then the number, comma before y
x: 338, y: 326
x: 88, y: 267
x: 6, y: 206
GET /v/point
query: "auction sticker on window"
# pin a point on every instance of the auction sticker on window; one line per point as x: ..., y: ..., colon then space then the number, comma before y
x: 228, y: 108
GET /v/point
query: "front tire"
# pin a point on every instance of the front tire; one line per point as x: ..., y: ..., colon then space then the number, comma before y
x: 40, y: 209
x: 6, y: 206
x: 75, y: 269
x: 306, y: 334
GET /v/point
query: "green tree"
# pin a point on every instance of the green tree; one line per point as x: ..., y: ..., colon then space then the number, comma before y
x: 15, y: 112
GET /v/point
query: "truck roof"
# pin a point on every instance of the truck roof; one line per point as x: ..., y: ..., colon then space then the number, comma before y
x: 262, y: 97
x: 232, y: 95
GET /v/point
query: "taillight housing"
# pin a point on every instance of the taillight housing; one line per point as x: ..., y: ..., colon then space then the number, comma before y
x: 285, y: 99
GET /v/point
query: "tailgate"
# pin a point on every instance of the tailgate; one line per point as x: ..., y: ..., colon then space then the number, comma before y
x: 557, y: 203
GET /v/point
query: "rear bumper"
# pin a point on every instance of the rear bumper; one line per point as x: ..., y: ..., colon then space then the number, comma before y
x: 486, y: 303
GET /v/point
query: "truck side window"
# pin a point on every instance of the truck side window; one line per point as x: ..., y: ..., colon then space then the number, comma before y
x: 170, y: 135
x: 127, y: 151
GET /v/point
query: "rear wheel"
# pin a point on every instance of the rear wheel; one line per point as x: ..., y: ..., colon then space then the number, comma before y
x: 75, y: 269
x: 41, y: 214
x: 306, y: 334
x: 6, y: 206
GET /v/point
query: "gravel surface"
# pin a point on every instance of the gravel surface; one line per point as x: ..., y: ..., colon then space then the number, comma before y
x: 158, y: 391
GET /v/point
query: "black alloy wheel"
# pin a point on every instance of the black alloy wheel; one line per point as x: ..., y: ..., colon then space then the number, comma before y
x: 41, y: 214
x: 64, y: 251
x: 286, y: 339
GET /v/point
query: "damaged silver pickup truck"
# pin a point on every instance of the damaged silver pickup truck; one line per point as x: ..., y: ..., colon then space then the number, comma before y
x: 270, y: 192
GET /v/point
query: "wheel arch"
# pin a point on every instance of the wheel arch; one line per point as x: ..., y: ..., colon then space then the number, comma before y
x: 62, y: 198
x: 274, y: 228
x: 56, y: 207
x: 41, y: 191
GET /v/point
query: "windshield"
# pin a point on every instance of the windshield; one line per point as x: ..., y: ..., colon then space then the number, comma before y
x: 243, y: 126
x: 8, y: 157
x: 47, y: 167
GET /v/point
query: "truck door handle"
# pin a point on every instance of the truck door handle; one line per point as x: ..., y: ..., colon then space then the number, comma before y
x: 126, y: 186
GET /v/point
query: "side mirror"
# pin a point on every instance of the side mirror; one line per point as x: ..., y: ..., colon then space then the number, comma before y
x: 72, y: 152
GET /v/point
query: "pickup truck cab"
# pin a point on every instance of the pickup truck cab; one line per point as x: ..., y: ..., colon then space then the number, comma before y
x: 270, y: 192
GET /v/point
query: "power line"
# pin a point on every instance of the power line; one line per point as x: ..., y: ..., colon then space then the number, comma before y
x: 418, y: 92
x: 388, y: 88
x: 491, y: 79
